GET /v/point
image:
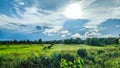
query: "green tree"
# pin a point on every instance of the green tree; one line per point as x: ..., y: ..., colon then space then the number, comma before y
x: 119, y: 40
x: 40, y: 41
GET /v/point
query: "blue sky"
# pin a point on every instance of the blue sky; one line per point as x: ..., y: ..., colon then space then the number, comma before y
x: 58, y: 19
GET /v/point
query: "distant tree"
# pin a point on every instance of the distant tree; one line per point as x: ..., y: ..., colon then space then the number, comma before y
x: 118, y: 40
x: 28, y: 41
x: 15, y: 41
x: 35, y: 41
x: 40, y: 41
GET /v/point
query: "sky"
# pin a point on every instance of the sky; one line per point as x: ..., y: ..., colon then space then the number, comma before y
x: 58, y: 19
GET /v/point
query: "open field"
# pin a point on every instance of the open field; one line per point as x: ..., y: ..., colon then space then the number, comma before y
x: 59, y: 55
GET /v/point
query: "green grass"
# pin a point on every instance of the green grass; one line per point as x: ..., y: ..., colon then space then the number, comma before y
x: 10, y: 54
x: 25, y: 50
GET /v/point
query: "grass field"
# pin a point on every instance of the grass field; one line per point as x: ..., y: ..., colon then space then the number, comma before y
x: 35, y: 56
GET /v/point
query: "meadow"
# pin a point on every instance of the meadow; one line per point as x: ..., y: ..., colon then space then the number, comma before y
x: 59, y: 56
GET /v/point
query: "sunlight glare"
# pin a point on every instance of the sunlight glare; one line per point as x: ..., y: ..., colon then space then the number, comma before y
x: 73, y: 11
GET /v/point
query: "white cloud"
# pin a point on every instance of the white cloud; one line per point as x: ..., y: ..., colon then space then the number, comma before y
x: 33, y: 16
x: 52, y: 31
x: 56, y: 30
x: 21, y: 3
x: 100, y: 14
x: 36, y: 16
x: 93, y: 33
x: 96, y: 14
x: 110, y: 35
x: 64, y: 32
x: 76, y: 35
x: 63, y: 36
x: 97, y: 11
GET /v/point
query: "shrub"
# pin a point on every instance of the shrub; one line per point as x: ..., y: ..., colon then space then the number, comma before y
x: 63, y: 63
x: 35, y: 62
x: 55, y: 60
x: 77, y: 63
x: 68, y: 57
x: 119, y: 40
x: 100, y: 51
x: 82, y: 53
x: 113, y: 63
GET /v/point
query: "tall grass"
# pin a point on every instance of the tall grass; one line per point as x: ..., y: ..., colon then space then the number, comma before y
x: 35, y: 56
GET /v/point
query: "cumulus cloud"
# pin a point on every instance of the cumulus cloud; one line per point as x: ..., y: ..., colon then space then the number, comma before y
x: 110, y: 35
x: 96, y: 11
x: 65, y: 33
x: 76, y: 35
x: 57, y: 30
x: 21, y: 3
x: 32, y: 16
x: 52, y: 31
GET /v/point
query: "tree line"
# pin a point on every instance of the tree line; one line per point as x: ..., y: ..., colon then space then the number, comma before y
x: 88, y: 41
x: 21, y: 42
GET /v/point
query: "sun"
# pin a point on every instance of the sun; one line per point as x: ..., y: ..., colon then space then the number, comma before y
x: 73, y: 11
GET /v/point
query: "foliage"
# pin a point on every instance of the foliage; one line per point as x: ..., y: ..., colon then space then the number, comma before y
x: 101, y: 41
x: 64, y: 56
x: 77, y: 63
x: 88, y: 41
x: 119, y: 40
x: 82, y: 53
x: 113, y: 63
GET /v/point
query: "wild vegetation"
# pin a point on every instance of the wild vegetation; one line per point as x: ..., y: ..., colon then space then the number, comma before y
x: 67, y: 53
x: 59, y: 56
x: 88, y: 41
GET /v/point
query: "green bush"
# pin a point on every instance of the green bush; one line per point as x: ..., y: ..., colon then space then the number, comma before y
x: 36, y: 62
x: 113, y: 63
x: 119, y: 40
x: 63, y: 63
x: 55, y: 60
x: 68, y: 57
x: 77, y: 63
x: 82, y: 53
x: 100, y: 52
